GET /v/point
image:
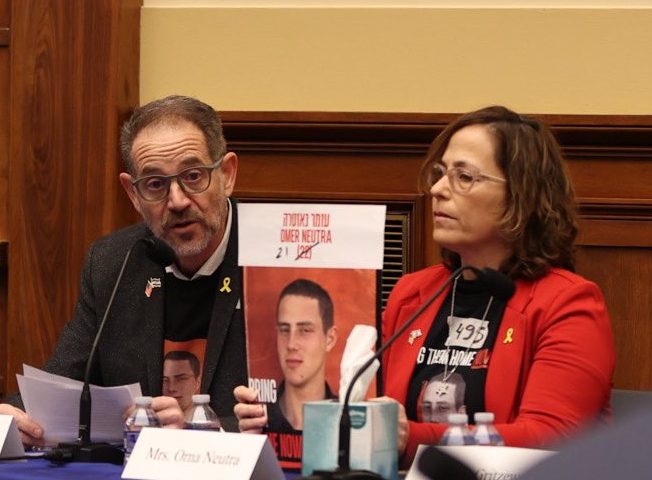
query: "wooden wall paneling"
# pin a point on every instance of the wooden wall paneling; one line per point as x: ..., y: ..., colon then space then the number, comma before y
x: 623, y: 275
x: 74, y: 79
x: 611, y: 169
x: 376, y: 157
x: 3, y: 324
x: 5, y: 11
x: 5, y: 15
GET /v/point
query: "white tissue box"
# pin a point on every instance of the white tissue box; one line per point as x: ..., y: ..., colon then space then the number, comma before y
x: 373, y: 436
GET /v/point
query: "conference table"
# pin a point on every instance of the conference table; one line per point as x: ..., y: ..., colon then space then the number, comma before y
x: 40, y: 469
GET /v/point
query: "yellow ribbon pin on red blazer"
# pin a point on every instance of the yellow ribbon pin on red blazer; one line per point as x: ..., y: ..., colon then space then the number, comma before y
x: 508, y: 335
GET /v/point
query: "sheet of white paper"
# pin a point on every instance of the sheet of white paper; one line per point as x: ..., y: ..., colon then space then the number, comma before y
x: 311, y: 235
x: 10, y: 444
x: 34, y: 372
x: 55, y: 405
x: 109, y: 404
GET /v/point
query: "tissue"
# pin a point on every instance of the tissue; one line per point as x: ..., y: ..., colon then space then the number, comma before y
x: 358, y: 350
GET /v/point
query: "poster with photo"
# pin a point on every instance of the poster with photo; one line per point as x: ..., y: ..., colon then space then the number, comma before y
x: 311, y: 273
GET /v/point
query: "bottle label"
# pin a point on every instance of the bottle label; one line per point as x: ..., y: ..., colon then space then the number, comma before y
x: 203, y: 426
x: 457, y: 436
x: 130, y: 440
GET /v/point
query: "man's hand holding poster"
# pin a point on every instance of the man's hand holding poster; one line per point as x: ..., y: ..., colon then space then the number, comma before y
x: 310, y: 275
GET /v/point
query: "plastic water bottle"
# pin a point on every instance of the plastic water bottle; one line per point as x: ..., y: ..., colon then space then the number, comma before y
x: 485, y: 433
x: 142, y: 416
x: 202, y: 416
x: 458, y: 432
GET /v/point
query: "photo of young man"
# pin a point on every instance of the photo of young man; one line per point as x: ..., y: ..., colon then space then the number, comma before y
x: 305, y: 335
x: 181, y: 377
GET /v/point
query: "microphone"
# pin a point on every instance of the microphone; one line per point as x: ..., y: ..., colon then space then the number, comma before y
x: 83, y: 450
x: 159, y: 251
x: 497, y: 283
x: 434, y: 463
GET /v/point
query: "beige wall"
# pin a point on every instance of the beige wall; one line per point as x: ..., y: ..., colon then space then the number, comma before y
x: 380, y: 59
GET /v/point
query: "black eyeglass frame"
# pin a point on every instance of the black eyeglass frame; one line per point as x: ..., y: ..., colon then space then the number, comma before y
x: 167, y: 179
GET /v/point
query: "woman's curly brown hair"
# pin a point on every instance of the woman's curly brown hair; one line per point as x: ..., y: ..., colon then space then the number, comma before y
x: 540, y: 219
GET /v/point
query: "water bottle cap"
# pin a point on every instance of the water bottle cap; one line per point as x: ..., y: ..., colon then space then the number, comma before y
x: 143, y: 401
x: 202, y: 398
x: 484, y: 417
x: 458, y: 418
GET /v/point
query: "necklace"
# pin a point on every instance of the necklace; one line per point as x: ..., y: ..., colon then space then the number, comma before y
x: 448, y: 375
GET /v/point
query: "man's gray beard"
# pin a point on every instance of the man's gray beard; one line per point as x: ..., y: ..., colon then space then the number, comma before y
x: 187, y: 249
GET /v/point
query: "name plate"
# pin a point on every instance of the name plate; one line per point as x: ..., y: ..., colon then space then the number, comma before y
x: 486, y: 461
x: 168, y: 454
x: 10, y: 443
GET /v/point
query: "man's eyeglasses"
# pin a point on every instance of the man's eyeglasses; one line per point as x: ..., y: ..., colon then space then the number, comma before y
x: 193, y: 180
x: 461, y: 179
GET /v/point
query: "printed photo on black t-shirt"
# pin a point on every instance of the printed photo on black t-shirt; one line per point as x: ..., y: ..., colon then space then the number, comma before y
x: 182, y: 370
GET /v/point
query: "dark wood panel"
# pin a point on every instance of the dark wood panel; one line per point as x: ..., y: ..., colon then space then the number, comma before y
x: 74, y: 78
x: 625, y: 177
x: 5, y: 13
x: 4, y: 172
x: 616, y: 233
x: 4, y: 112
x: 3, y: 324
x: 5, y: 22
x: 623, y: 274
x: 4, y: 138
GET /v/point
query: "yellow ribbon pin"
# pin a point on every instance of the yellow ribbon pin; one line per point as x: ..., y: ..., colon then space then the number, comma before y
x: 508, y: 335
x: 225, y: 285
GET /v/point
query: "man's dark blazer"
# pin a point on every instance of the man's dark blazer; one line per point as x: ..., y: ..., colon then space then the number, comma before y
x: 131, y: 346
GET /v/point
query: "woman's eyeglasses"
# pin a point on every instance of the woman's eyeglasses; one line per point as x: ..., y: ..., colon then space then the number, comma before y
x: 461, y: 179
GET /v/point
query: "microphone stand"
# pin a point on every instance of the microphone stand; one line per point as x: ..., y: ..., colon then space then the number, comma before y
x: 343, y: 471
x: 83, y: 450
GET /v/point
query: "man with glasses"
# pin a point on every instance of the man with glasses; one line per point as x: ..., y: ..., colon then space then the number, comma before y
x: 179, y: 177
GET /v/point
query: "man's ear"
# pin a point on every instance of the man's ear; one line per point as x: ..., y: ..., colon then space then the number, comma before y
x: 331, y: 338
x: 229, y: 170
x: 125, y: 181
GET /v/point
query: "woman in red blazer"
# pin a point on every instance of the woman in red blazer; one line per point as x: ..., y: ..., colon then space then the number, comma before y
x: 540, y: 360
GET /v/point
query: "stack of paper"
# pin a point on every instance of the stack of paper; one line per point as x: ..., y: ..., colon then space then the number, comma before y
x: 53, y: 401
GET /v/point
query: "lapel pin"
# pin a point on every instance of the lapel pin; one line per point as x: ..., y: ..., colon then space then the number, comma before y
x: 414, y: 334
x: 508, y: 335
x: 152, y: 283
x: 225, y: 285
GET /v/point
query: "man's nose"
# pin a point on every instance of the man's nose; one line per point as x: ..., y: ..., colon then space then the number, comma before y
x: 177, y: 198
x: 293, y: 341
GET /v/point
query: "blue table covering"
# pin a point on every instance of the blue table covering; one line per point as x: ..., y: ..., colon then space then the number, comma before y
x: 42, y: 469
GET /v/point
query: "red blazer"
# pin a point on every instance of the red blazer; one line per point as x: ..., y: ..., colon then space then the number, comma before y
x: 550, y: 379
